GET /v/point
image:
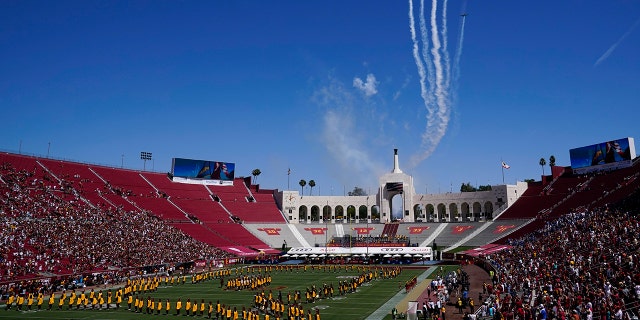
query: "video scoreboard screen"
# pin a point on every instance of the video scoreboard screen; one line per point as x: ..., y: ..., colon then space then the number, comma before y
x: 203, y: 171
x: 610, y: 155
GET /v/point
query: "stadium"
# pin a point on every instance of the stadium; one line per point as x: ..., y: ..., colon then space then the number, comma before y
x: 566, y: 244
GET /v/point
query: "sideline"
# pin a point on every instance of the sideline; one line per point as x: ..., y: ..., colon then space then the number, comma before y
x: 400, y: 297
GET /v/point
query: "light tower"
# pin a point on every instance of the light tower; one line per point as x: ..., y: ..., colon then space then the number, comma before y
x: 145, y: 156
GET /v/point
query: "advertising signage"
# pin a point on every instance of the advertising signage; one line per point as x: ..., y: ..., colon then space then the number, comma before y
x: 610, y: 155
x: 203, y: 171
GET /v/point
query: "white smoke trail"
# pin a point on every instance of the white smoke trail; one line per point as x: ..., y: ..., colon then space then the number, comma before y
x: 615, y: 45
x: 456, y: 59
x: 429, y: 102
x: 435, y: 131
x: 427, y: 60
x: 444, y: 109
x: 431, y: 136
x: 435, y: 48
x: 445, y: 45
x: 457, y: 56
x: 416, y: 56
x: 442, y: 81
x: 440, y: 87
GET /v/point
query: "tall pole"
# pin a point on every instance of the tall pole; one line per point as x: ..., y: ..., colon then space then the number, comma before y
x: 122, y: 161
x: 402, y: 213
x: 288, y: 175
x: 380, y: 203
x: 48, y: 148
x: 351, y: 233
x: 326, y: 232
x: 368, y: 235
x: 145, y: 156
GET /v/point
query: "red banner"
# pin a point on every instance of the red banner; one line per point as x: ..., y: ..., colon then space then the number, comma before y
x: 417, y: 230
x: 316, y: 230
x: 501, y: 229
x: 271, y: 231
x: 460, y: 229
x: 363, y: 230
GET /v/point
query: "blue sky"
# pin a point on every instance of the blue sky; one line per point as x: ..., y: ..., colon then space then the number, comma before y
x: 326, y: 88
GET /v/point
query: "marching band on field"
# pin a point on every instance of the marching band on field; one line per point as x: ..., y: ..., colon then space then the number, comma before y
x: 137, y: 294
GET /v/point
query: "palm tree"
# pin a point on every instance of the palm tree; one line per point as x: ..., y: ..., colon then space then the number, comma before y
x: 302, y: 183
x: 542, y: 163
x: 552, y: 161
x: 255, y: 173
x: 312, y: 184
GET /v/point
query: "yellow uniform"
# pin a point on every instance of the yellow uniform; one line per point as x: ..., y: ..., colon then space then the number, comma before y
x: 20, y: 302
x: 79, y: 300
x: 30, y: 300
x: 178, y: 306
x: 72, y: 299
x: 10, y: 301
x: 63, y: 297
x: 118, y: 298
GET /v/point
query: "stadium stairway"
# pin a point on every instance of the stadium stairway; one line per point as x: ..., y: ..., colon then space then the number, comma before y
x: 434, y: 235
x: 473, y: 234
x: 298, y: 235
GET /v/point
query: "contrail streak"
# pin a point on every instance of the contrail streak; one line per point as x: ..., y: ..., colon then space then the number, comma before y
x: 445, y: 108
x: 456, y: 59
x: 425, y: 56
x: 440, y: 75
x: 434, y: 133
x: 615, y: 45
x: 435, y: 127
x: 429, y: 102
x: 435, y: 48
x: 445, y: 45
x: 416, y: 56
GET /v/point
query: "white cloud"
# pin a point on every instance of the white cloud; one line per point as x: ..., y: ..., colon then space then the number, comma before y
x: 406, y: 82
x: 368, y: 87
x: 343, y: 135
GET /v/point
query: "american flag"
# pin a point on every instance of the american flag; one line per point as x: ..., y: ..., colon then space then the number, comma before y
x: 506, y: 166
x: 394, y: 186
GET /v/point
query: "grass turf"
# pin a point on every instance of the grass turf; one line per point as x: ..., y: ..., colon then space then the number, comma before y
x: 368, y: 297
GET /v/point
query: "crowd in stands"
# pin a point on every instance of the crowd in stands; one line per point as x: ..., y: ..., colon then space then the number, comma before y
x: 46, y: 229
x: 583, y: 265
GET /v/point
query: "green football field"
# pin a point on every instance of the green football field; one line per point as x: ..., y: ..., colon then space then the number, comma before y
x: 358, y: 305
